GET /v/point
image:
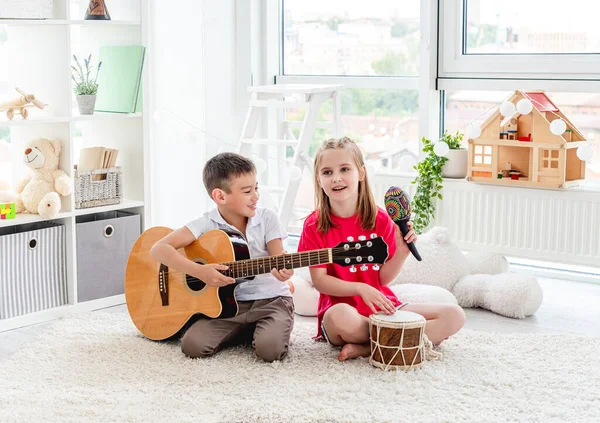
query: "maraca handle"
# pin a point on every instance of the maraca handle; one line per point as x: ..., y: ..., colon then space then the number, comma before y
x: 403, y: 224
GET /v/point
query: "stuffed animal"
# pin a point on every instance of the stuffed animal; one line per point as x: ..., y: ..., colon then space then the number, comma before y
x: 476, y: 279
x: 39, y: 192
x: 446, y: 275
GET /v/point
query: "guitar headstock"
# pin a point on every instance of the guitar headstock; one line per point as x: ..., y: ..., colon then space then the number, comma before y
x: 364, y: 252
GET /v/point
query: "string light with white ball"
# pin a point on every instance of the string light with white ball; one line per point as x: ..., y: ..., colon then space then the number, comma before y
x: 508, y: 109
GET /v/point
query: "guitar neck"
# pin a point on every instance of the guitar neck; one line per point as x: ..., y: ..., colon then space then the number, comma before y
x: 262, y: 265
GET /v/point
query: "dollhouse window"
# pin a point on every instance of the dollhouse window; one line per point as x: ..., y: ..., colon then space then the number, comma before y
x: 549, y: 159
x: 483, y: 155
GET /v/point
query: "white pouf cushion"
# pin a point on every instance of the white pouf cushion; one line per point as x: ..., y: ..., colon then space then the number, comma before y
x: 306, y: 297
x: 418, y: 294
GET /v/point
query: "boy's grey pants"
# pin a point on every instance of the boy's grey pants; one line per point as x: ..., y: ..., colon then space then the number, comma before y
x: 266, y: 323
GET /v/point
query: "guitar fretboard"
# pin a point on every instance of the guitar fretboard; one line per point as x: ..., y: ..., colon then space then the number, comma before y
x: 262, y: 265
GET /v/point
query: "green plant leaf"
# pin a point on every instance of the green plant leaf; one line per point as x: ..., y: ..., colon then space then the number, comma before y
x: 429, y: 180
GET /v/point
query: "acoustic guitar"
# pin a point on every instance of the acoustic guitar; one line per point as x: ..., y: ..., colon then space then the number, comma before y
x: 161, y: 301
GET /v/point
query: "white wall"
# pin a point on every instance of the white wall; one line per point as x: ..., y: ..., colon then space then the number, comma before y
x: 195, y: 78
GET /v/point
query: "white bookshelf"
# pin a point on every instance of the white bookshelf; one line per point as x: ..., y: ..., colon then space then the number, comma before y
x: 39, y: 56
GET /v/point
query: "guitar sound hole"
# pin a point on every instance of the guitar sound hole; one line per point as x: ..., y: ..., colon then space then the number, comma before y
x: 195, y: 284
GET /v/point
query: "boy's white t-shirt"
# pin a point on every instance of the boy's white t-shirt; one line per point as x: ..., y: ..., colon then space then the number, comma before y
x: 262, y: 228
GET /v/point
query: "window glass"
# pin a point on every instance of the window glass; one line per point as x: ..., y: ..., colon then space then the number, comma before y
x: 531, y: 27
x: 334, y: 37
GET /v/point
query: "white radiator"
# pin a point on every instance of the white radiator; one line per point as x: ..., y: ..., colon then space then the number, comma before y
x: 550, y: 225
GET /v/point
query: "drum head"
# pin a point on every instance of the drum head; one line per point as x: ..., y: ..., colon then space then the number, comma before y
x: 400, y: 316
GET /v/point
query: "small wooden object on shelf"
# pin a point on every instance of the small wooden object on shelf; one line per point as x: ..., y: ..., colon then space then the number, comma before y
x: 20, y: 105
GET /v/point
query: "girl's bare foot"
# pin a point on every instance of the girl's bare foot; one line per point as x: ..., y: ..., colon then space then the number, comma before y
x: 350, y: 351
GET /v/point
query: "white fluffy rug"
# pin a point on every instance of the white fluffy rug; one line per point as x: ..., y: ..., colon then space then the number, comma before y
x: 95, y: 367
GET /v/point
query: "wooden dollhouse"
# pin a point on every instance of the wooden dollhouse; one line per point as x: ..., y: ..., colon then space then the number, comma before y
x: 521, y: 150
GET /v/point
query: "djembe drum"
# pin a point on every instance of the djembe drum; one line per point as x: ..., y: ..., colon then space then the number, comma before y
x: 397, y: 340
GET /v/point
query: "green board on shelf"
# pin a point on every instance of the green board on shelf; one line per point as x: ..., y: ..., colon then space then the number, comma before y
x: 120, y: 79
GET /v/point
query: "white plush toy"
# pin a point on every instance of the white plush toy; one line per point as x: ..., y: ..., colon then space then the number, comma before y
x: 446, y: 275
x: 39, y: 192
x: 476, y: 279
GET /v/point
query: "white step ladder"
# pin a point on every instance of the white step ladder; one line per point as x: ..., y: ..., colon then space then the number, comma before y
x: 278, y: 135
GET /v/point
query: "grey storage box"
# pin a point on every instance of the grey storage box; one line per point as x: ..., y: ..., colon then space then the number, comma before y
x: 33, y: 273
x: 104, y: 241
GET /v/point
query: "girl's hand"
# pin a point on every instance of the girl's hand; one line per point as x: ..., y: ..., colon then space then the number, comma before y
x: 375, y: 298
x: 282, y: 275
x: 411, y: 236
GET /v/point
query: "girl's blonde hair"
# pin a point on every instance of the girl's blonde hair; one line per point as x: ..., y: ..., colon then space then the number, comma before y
x: 367, y: 209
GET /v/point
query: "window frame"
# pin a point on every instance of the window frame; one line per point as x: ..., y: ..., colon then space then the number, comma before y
x: 483, y: 155
x: 454, y: 63
x: 430, y: 124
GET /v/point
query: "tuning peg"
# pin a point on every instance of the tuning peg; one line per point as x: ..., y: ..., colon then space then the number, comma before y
x: 364, y: 267
x: 373, y: 236
x: 362, y: 238
x: 353, y: 269
x: 359, y: 259
x: 376, y: 267
x: 350, y: 238
x: 370, y: 258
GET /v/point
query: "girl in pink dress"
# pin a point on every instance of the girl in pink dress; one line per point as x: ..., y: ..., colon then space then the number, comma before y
x: 346, y: 208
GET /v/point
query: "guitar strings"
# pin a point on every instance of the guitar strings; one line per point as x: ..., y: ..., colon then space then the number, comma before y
x: 247, y: 266
x: 311, y: 254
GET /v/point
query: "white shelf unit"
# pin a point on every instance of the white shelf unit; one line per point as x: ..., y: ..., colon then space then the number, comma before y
x: 40, y: 55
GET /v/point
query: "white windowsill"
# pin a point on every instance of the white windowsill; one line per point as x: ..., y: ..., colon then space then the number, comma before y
x: 588, y: 187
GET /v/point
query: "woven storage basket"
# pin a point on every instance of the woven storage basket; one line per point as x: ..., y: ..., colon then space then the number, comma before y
x: 91, y: 193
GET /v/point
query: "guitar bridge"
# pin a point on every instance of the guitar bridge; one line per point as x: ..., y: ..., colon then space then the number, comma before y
x: 163, y: 284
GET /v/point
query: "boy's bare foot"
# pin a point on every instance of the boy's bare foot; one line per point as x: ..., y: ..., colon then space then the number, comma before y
x: 350, y: 351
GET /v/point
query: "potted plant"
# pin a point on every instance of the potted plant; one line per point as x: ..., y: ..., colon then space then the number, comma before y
x: 457, y: 164
x: 429, y: 180
x: 86, y: 86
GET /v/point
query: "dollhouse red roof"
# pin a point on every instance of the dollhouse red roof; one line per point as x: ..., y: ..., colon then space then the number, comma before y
x: 542, y: 102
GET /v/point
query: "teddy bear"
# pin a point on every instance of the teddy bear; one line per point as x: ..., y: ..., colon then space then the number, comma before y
x: 39, y: 192
x: 447, y: 275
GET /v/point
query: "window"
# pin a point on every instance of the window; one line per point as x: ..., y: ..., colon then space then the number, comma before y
x: 483, y: 155
x: 384, y: 123
x: 373, y: 50
x: 518, y: 27
x: 549, y: 159
x: 336, y: 37
x: 582, y: 109
x: 518, y: 39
